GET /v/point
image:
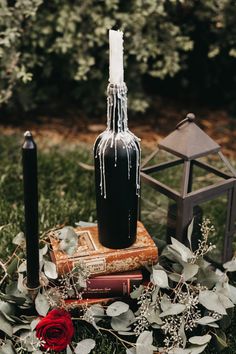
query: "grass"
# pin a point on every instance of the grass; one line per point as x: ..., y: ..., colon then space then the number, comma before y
x: 66, y: 191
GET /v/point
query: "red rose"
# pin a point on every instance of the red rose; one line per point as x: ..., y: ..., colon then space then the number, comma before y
x: 55, y: 330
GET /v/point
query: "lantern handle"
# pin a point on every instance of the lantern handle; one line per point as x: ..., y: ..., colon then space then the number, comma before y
x: 189, y: 118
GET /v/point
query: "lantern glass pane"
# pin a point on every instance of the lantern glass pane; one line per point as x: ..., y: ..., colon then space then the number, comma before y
x: 154, y: 206
x: 159, y: 157
x: 171, y: 177
x: 216, y: 211
x: 202, y: 178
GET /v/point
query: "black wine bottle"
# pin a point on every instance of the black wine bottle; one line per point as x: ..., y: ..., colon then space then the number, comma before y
x: 117, y: 174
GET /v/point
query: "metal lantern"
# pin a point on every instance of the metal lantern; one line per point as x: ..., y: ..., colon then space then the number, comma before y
x: 188, y: 144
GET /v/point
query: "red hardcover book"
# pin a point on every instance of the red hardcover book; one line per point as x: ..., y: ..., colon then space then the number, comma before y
x: 78, y: 303
x: 112, y: 285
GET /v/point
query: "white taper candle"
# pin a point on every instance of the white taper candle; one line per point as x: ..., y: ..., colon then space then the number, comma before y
x: 116, y: 57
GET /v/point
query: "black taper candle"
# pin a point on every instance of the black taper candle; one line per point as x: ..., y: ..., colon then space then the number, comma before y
x: 30, y: 181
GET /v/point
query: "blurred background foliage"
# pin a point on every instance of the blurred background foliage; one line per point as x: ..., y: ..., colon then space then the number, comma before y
x: 54, y: 54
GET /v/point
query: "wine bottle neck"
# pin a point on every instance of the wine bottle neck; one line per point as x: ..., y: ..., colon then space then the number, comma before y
x: 117, y: 119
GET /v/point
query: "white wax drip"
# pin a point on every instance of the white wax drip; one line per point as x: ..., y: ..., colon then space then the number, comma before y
x: 117, y: 104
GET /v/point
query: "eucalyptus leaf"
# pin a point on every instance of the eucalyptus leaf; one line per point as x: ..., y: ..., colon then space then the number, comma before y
x: 22, y: 267
x: 137, y: 292
x: 13, y: 264
x: 165, y: 303
x: 13, y: 294
x: 20, y: 327
x: 222, y: 286
x: 130, y: 351
x: 19, y: 239
x: 202, y: 263
x: 221, y: 338
x: 182, y: 333
x: 6, y: 308
x: 43, y: 250
x: 127, y: 333
x: 20, y: 284
x: 175, y: 277
x: 185, y: 253
x: 200, y: 340
x: 174, y: 309
x: 69, y: 246
x: 207, y: 277
x: 210, y: 300
x: 41, y: 304
x: 171, y: 254
x: 19, y: 320
x: 189, y: 271
x: 144, y: 343
x: 160, y: 278
x: 28, y: 340
x: 7, y: 348
x: 14, y: 299
x: 157, y: 266
x: 155, y: 294
x: 34, y: 323
x: 153, y: 316
x: 123, y: 321
x: 85, y: 346
x: 178, y: 267
x: 67, y: 233
x: 190, y: 232
x: 206, y: 320
x: 7, y: 317
x: 230, y: 266
x: 93, y: 319
x: 5, y: 326
x: 213, y: 325
x: 226, y: 302
x: 180, y: 351
x: 232, y: 293
x: 97, y: 312
x: 117, y: 308
x: 50, y: 270
x: 146, y: 338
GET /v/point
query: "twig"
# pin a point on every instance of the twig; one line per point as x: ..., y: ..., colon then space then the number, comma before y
x: 5, y: 271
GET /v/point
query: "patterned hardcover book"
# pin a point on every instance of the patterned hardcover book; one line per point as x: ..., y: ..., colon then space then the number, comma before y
x: 101, y: 260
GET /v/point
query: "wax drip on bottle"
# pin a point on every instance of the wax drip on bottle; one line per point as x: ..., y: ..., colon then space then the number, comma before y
x: 117, y: 107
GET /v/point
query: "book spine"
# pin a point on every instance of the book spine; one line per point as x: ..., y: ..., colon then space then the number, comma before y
x: 75, y: 303
x: 97, y: 288
x: 127, y: 261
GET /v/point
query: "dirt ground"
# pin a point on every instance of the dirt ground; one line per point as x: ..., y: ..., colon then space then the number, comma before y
x: 151, y: 128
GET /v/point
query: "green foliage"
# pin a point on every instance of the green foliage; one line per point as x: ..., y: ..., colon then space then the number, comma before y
x: 59, y: 49
x: 177, y: 307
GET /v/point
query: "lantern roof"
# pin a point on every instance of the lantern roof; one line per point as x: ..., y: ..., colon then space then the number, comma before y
x: 188, y: 141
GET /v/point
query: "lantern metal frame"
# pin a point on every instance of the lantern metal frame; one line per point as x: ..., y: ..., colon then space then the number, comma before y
x: 188, y: 142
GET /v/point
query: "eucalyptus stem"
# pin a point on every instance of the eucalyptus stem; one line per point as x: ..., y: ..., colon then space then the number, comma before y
x: 123, y: 341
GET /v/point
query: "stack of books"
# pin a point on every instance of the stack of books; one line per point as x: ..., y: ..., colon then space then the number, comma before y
x: 114, y: 273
